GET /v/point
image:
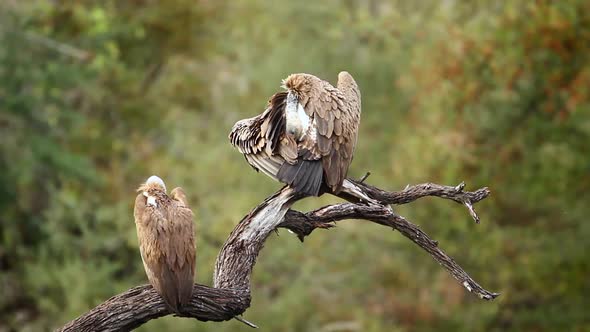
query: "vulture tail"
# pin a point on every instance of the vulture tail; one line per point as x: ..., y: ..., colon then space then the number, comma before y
x: 168, y: 289
x: 305, y: 177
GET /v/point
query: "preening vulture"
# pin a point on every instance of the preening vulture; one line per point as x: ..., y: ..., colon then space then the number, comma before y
x: 166, y: 241
x: 306, y: 136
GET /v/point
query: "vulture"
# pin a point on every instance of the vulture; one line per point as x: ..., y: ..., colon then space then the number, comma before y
x: 166, y: 241
x: 306, y: 136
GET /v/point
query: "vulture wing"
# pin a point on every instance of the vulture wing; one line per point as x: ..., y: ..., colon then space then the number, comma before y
x: 181, y: 254
x: 259, y: 138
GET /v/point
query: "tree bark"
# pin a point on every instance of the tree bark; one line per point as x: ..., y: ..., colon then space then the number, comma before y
x: 230, y: 294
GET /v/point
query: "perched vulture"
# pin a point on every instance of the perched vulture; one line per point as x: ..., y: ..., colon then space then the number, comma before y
x: 306, y: 136
x: 166, y: 241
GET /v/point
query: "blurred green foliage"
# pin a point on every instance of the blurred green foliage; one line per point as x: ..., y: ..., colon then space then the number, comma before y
x: 95, y: 96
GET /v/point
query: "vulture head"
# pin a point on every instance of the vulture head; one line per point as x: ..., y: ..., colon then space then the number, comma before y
x: 152, y: 186
x: 154, y: 181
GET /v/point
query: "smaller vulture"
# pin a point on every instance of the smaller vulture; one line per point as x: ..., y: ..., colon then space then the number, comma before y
x: 306, y: 136
x: 166, y: 241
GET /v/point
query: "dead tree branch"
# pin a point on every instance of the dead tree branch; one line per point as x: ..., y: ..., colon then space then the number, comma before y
x: 136, y: 306
x: 230, y: 294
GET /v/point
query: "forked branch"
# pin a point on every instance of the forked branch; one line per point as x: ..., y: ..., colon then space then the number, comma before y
x: 230, y: 295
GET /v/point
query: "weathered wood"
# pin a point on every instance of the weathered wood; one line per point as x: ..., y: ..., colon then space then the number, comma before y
x: 302, y: 224
x: 230, y: 295
x: 136, y: 306
x: 238, y: 255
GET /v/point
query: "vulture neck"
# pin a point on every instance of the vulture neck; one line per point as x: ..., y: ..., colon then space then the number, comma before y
x: 297, y: 121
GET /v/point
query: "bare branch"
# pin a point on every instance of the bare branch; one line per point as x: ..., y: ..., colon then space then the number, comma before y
x: 412, y: 193
x: 134, y: 307
x: 231, y: 293
x: 382, y: 215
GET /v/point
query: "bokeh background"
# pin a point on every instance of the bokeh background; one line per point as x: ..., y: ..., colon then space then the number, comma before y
x: 95, y: 96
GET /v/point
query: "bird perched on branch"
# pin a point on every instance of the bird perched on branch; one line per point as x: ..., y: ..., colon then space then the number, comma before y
x: 166, y: 241
x: 306, y: 136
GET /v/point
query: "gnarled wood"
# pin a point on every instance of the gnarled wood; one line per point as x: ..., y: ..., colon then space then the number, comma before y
x: 230, y: 295
x: 136, y: 306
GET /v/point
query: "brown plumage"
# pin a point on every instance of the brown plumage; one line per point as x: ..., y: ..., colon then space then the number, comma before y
x: 306, y: 136
x: 166, y: 241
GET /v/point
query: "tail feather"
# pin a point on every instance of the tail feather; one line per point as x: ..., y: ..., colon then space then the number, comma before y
x: 168, y: 289
x: 176, y: 288
x: 185, y: 283
x: 305, y: 177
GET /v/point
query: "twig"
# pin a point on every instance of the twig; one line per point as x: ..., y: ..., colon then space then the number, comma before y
x: 240, y: 319
x: 364, y: 177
